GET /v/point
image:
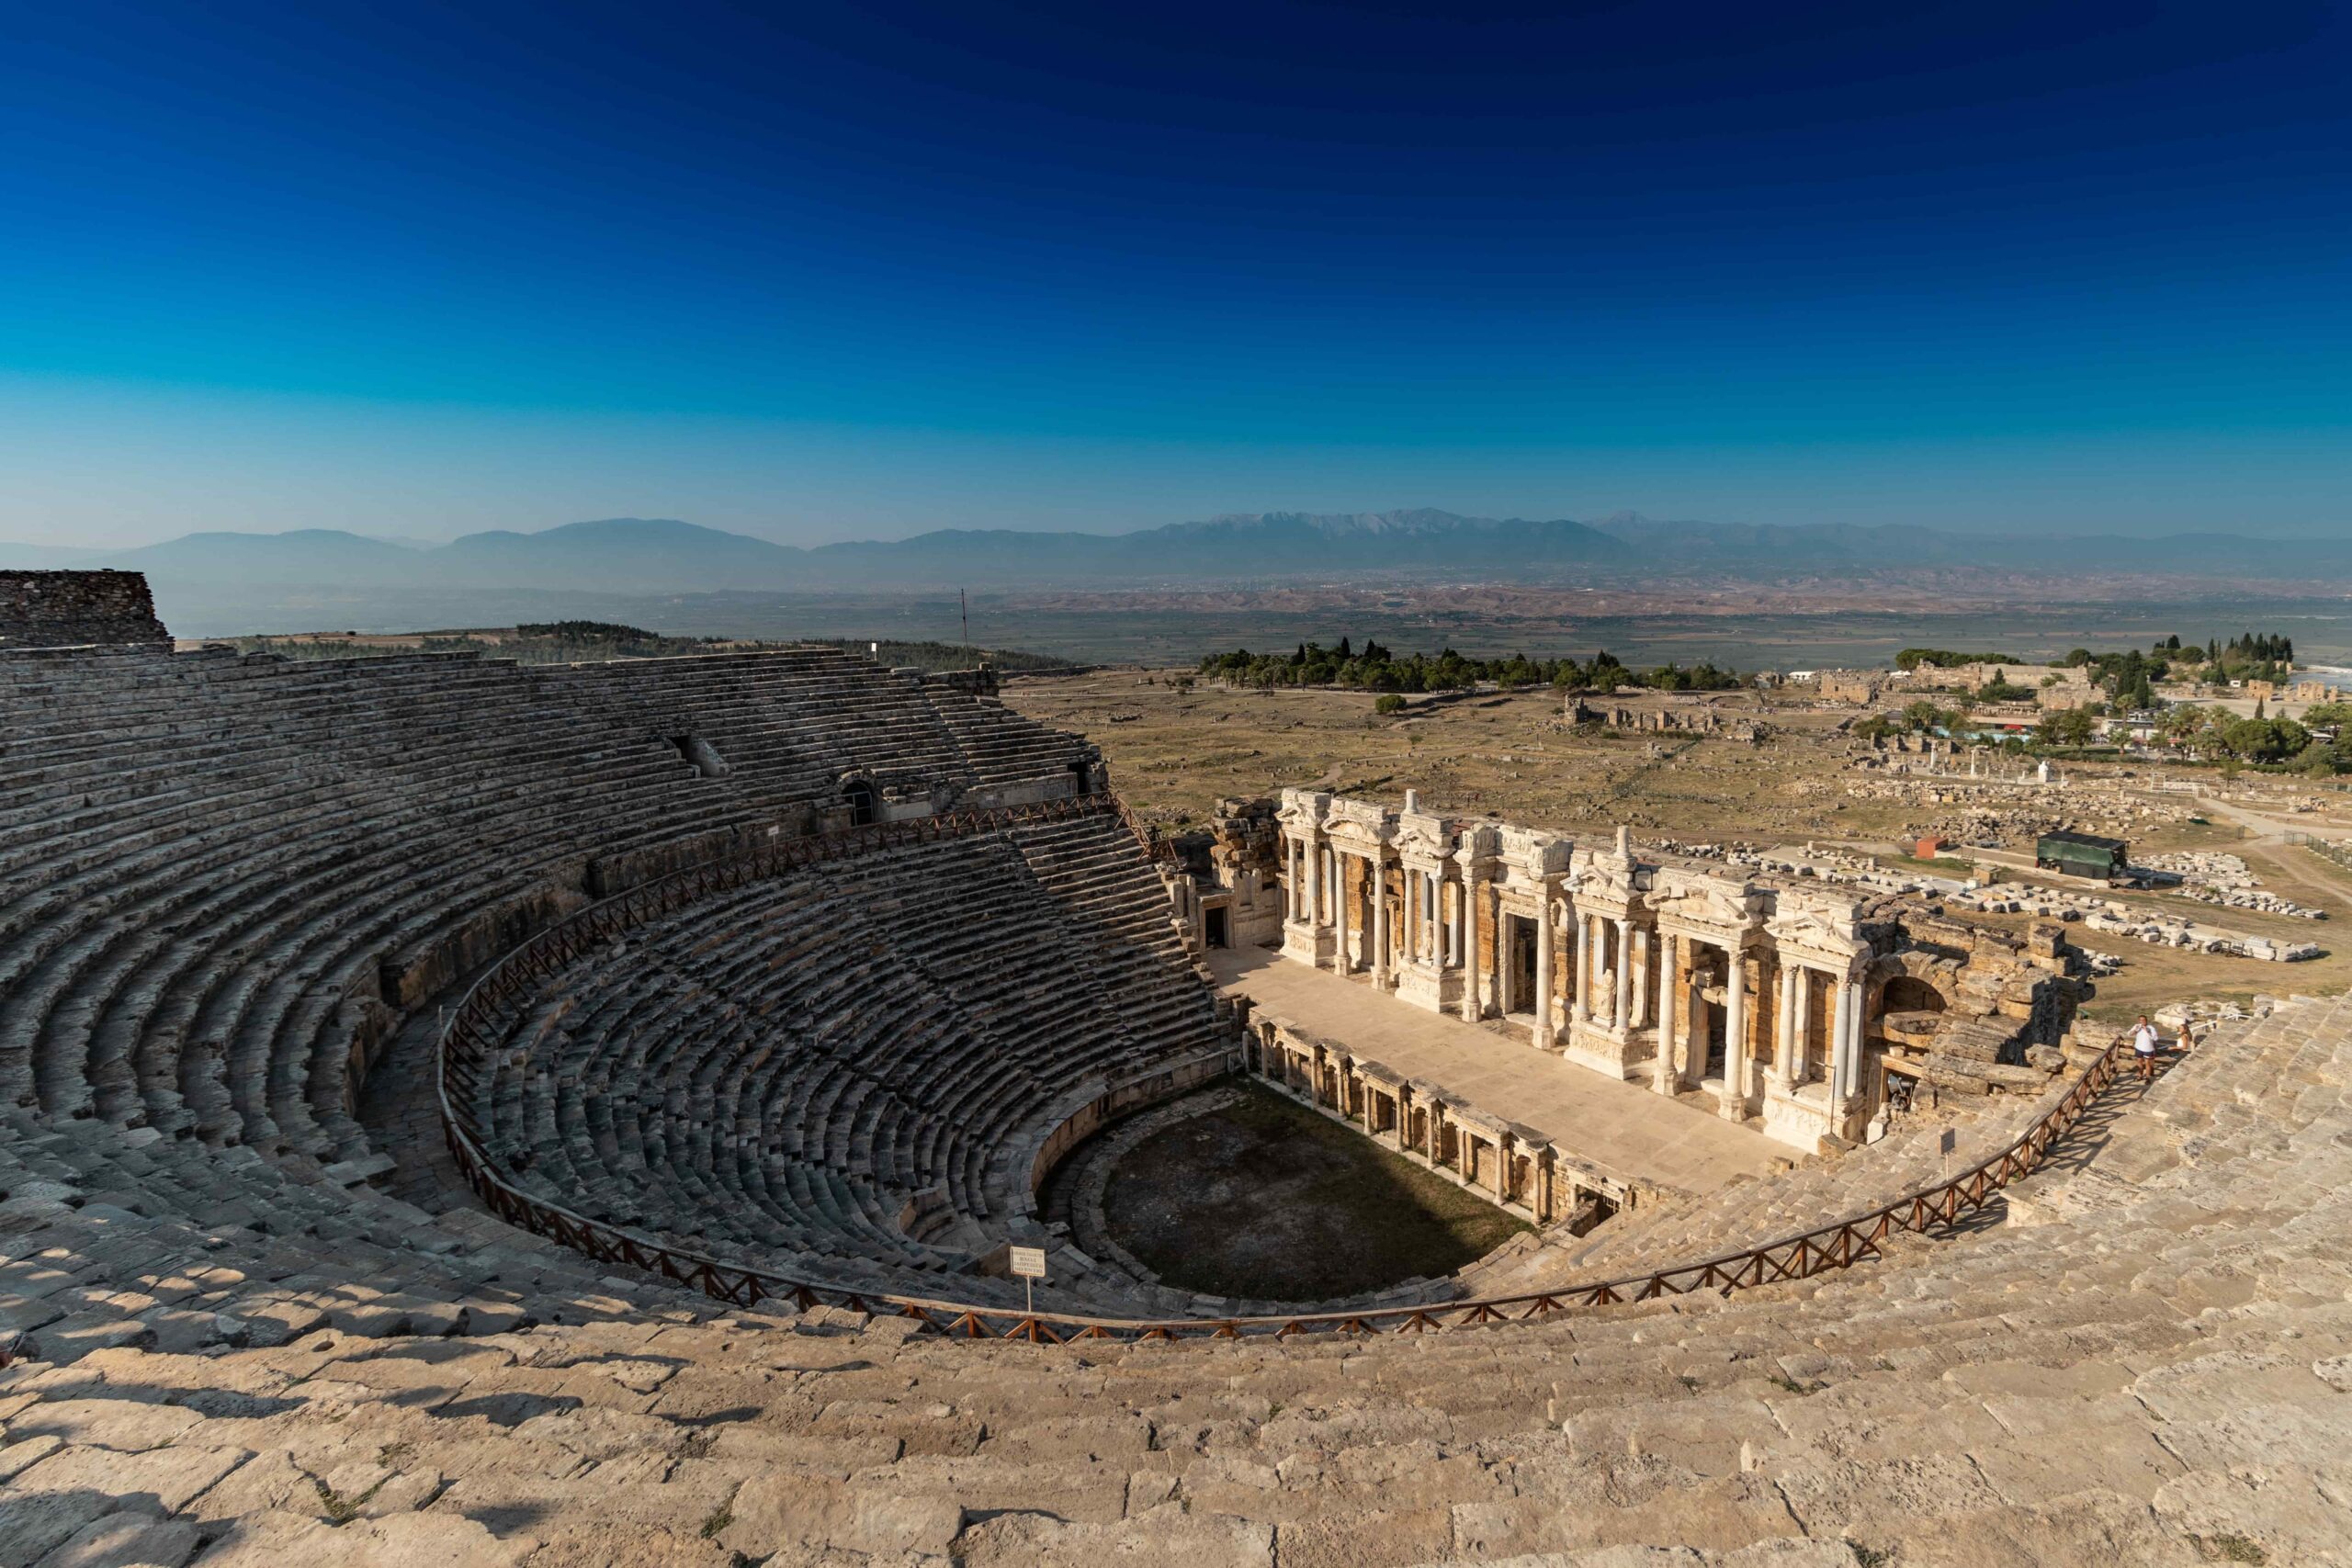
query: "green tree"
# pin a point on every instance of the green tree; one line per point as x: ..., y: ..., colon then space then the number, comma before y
x: 2065, y: 726
x: 2263, y: 739
x: 1922, y: 715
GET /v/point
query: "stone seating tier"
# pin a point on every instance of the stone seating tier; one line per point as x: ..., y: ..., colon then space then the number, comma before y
x: 783, y: 1074
x: 2156, y: 1370
x: 224, y: 878
x: 134, y: 774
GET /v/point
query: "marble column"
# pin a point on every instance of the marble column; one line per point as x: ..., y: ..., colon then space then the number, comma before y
x: 1473, y: 1001
x: 1409, y: 911
x: 1854, y: 1031
x: 1497, y: 954
x: 1543, y: 971
x: 1783, y: 1030
x: 1801, y: 1040
x: 1341, y: 959
x: 1378, y: 884
x: 1642, y: 949
x: 1583, y: 1010
x: 1621, y: 1012
x: 1664, y: 1079
x: 1840, y: 1022
x: 1734, y: 1101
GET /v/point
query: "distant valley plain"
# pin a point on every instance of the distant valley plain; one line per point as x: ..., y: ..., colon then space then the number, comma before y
x: 1822, y: 625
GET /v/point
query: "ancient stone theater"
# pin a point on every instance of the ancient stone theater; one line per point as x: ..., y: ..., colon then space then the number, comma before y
x: 464, y: 1111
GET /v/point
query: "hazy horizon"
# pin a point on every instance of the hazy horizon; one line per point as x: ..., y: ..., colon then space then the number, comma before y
x: 832, y: 274
x: 417, y: 538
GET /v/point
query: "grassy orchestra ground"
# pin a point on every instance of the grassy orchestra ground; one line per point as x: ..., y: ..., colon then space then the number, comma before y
x: 1268, y: 1198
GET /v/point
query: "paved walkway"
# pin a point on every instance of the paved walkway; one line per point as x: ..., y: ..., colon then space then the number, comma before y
x: 1620, y: 1127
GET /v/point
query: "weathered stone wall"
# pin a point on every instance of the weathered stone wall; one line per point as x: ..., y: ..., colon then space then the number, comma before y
x: 1856, y: 686
x: 1661, y: 721
x: 1234, y: 864
x: 68, y: 609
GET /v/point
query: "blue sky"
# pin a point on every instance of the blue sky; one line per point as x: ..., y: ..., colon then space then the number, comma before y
x: 819, y: 273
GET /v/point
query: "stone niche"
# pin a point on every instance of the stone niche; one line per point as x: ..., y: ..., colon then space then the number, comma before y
x: 77, y: 609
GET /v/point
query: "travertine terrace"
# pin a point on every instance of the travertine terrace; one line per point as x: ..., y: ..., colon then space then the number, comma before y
x: 459, y: 1113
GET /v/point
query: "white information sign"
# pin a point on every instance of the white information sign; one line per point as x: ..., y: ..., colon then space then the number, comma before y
x: 1028, y: 1267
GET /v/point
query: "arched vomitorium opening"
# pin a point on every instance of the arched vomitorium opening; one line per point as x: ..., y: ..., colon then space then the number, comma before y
x: 1905, y: 993
x: 859, y: 792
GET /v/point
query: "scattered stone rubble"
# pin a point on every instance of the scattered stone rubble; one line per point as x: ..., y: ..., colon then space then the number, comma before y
x: 2207, y: 1013
x: 2112, y: 918
x: 2012, y: 815
x: 2211, y: 877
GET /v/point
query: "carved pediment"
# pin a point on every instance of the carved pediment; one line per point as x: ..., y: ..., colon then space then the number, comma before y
x: 1704, y: 900
x: 1817, y: 923
x: 1426, y: 837
x: 1359, y: 823
x: 1479, y: 842
x: 1302, y: 810
x: 1537, y: 853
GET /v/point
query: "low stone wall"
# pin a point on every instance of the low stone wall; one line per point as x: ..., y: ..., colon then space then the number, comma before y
x: 69, y: 609
x: 1086, y: 1111
x: 1518, y: 1169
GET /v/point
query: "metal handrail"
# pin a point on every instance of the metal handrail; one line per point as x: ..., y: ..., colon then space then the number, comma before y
x: 1838, y: 1245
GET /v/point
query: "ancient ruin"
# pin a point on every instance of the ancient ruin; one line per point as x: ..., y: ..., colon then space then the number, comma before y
x: 77, y: 609
x: 466, y: 1114
x: 1674, y: 719
x: 1801, y: 1009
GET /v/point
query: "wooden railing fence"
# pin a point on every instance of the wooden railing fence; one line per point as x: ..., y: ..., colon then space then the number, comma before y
x: 468, y: 1039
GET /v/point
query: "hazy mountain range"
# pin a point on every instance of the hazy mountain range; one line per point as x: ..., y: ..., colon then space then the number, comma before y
x: 643, y: 555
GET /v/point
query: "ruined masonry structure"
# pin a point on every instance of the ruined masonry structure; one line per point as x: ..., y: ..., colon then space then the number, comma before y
x: 1225, y: 880
x: 1688, y: 719
x: 1786, y: 1003
x: 73, y: 609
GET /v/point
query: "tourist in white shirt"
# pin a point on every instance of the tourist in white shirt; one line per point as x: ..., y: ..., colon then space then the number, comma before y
x: 2144, y: 1046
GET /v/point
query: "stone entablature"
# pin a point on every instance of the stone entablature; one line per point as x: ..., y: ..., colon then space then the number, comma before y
x: 75, y: 609
x: 1764, y: 994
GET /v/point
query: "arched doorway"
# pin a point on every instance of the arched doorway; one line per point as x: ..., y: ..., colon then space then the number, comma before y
x: 1907, y: 993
